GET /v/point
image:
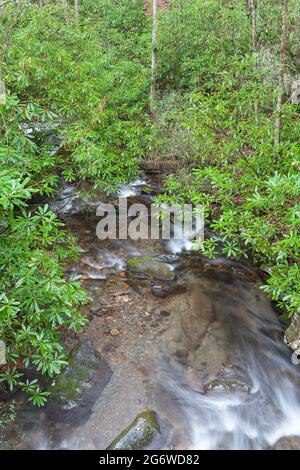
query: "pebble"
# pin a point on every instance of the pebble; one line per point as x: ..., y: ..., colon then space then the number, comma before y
x: 164, y: 313
x: 114, y: 332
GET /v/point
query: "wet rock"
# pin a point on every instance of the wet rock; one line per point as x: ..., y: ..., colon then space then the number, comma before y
x: 151, y: 267
x: 229, y: 379
x: 139, y: 435
x: 147, y: 189
x: 7, y: 418
x: 114, y: 332
x: 4, y: 395
x: 287, y: 443
x: 163, y: 291
x: 225, y: 386
x: 292, y: 334
x: 169, y: 258
x: 182, y: 356
x: 165, y: 313
x: 75, y: 391
x: 196, y: 321
x: 265, y: 269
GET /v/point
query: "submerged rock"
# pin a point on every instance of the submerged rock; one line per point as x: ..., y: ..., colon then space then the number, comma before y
x: 151, y: 267
x: 75, y: 391
x: 292, y: 334
x: 140, y: 434
x: 287, y: 443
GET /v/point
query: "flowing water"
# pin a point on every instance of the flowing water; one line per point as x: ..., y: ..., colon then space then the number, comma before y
x: 204, y: 350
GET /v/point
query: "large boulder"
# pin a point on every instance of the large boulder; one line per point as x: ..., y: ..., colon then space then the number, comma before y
x: 139, y: 435
x: 292, y: 334
x: 152, y: 267
x: 75, y: 391
x: 287, y: 443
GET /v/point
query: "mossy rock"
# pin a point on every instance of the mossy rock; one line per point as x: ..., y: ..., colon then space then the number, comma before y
x: 75, y: 391
x: 139, y: 435
x: 151, y: 267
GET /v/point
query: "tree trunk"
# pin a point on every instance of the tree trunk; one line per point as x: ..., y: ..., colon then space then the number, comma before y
x: 252, y: 8
x: 252, y: 11
x: 64, y: 5
x: 76, y: 8
x: 283, y: 49
x: 154, y: 52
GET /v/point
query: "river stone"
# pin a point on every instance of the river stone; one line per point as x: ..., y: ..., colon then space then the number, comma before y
x: 75, y: 391
x: 229, y: 379
x: 225, y: 386
x: 287, y: 443
x: 168, y: 258
x: 292, y: 334
x: 139, y: 434
x: 151, y: 267
x: 163, y: 291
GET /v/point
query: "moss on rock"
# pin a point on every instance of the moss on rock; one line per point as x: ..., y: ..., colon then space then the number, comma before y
x: 76, y: 389
x: 152, y: 267
x: 139, y: 434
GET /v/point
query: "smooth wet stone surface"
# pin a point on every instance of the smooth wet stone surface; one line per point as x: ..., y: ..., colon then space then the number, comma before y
x: 292, y: 334
x: 287, y: 443
x: 164, y: 291
x: 75, y: 391
x: 7, y: 416
x: 225, y: 386
x: 172, y: 259
x: 151, y: 267
x: 144, y: 429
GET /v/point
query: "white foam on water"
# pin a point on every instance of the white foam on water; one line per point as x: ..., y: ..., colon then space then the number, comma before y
x: 178, y: 246
x: 241, y: 420
x: 132, y: 189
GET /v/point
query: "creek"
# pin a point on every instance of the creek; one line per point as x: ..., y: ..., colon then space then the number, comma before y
x: 204, y: 348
